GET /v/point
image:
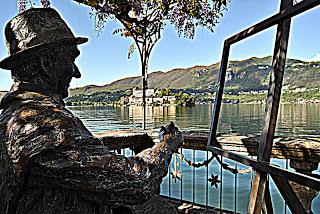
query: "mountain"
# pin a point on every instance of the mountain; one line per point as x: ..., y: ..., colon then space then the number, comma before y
x: 176, y: 79
x: 246, y: 75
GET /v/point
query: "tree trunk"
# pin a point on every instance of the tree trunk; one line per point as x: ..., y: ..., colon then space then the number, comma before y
x: 144, y: 64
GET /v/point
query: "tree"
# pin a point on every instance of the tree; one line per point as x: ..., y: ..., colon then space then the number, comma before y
x: 143, y: 20
x: 185, y: 99
x: 164, y: 92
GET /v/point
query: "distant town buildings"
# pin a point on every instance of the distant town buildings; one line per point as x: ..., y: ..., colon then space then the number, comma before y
x: 229, y: 74
x: 201, y: 72
x: 262, y: 67
x: 151, y: 98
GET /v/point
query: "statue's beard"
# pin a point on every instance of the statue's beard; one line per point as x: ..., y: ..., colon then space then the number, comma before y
x: 55, y: 83
x: 62, y: 88
x: 58, y: 84
x: 49, y: 73
x: 65, y: 92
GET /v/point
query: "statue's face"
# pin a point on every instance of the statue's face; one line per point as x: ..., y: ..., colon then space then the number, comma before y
x: 51, y: 70
x: 67, y: 69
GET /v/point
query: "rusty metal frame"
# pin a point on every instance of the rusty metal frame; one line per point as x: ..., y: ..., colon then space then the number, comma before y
x: 262, y: 166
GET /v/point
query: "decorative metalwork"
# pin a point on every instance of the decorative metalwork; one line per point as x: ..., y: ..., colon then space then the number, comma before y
x: 214, y: 180
x: 177, y: 168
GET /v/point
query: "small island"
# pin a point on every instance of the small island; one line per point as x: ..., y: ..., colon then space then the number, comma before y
x: 154, y: 97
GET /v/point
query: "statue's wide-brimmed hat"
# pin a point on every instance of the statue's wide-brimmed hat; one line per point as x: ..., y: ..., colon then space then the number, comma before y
x: 33, y: 30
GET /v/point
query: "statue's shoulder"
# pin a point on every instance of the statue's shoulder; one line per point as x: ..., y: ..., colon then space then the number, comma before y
x: 35, y: 109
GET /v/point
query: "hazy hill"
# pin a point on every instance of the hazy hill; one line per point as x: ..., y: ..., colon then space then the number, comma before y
x: 245, y: 75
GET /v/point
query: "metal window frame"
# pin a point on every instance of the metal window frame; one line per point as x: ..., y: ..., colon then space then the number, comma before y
x: 262, y: 167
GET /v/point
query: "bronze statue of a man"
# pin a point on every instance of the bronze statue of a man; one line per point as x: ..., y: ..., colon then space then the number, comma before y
x: 49, y: 161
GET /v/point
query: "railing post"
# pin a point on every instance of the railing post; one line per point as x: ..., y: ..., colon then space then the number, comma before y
x: 272, y: 105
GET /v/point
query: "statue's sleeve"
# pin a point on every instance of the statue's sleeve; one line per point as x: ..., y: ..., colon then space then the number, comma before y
x: 103, y: 175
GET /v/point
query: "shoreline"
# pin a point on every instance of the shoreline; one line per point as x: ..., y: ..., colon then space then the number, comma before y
x: 175, y: 105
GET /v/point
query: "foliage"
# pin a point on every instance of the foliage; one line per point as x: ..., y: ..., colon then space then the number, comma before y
x: 164, y: 92
x: 142, y: 18
x: 45, y: 3
x: 23, y: 4
x: 245, y: 98
x: 310, y: 95
x: 184, y: 98
x: 100, y: 98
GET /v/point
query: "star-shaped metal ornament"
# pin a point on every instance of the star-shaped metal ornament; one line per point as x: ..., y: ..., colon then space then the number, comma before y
x: 214, y: 180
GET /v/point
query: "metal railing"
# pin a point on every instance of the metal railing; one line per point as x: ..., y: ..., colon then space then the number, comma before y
x: 198, y: 165
x: 194, y: 188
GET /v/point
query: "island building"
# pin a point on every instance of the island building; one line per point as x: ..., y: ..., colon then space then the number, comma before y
x: 151, y: 98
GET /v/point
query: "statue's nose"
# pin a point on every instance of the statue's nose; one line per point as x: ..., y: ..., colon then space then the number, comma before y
x: 76, y: 72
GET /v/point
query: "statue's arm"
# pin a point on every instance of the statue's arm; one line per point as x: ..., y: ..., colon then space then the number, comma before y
x: 102, y: 175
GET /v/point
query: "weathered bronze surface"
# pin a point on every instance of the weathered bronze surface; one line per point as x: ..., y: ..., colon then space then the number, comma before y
x: 50, y: 162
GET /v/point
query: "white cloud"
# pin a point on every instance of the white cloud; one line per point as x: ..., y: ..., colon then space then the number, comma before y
x: 316, y: 58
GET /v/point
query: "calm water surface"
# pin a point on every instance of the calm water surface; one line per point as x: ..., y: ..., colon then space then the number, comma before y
x: 293, y: 120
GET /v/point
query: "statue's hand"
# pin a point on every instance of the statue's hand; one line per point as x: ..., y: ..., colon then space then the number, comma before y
x: 172, y: 136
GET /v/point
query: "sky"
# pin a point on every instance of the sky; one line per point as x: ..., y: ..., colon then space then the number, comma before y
x: 104, y: 58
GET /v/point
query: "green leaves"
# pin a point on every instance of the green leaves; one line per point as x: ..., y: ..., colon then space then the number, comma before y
x: 164, y: 92
x: 93, y: 3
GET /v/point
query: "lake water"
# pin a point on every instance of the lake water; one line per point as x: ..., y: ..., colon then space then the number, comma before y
x: 293, y: 120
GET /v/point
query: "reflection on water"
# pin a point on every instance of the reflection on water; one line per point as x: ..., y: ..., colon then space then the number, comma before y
x: 299, y: 120
x: 293, y: 119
